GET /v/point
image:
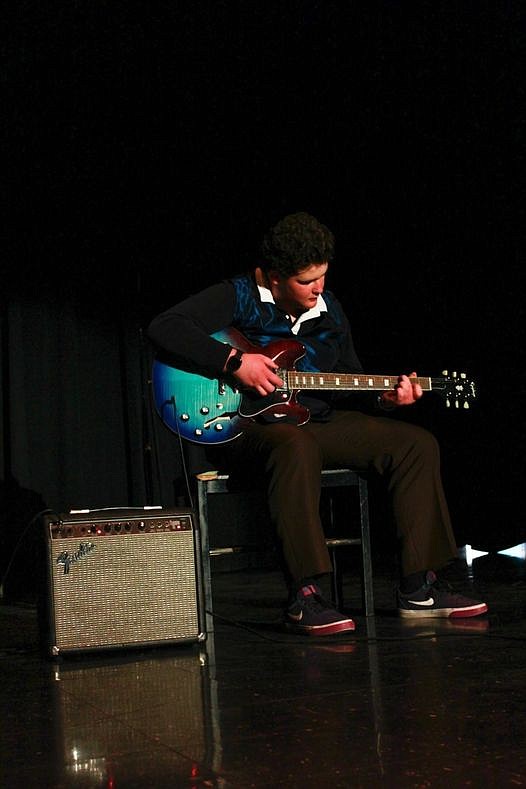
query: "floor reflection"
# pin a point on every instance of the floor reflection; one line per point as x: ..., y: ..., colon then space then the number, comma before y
x: 120, y: 717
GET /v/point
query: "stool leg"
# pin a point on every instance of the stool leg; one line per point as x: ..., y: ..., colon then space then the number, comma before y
x: 336, y: 580
x: 367, y: 577
x: 202, y: 499
x: 336, y: 577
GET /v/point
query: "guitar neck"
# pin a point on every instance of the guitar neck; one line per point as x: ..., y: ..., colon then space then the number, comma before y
x: 295, y: 379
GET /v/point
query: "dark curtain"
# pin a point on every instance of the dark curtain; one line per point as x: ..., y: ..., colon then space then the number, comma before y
x: 79, y: 428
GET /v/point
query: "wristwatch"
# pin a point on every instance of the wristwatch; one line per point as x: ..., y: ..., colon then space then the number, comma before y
x: 234, y: 362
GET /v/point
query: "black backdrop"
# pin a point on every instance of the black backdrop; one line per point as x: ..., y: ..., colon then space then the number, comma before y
x: 149, y: 145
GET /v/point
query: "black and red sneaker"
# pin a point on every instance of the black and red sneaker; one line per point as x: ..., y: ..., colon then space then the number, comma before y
x: 436, y: 599
x: 310, y: 614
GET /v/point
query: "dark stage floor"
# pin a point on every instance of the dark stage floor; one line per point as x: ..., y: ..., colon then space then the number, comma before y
x: 397, y: 704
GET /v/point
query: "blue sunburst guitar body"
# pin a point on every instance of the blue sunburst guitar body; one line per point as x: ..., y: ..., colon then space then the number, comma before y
x: 213, y: 411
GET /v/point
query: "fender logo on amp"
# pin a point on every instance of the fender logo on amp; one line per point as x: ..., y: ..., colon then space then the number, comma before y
x: 67, y: 559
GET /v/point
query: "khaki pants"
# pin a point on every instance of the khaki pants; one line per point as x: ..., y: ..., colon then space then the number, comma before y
x: 291, y: 459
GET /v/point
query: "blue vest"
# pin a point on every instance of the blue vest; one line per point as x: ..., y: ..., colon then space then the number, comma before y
x: 324, y: 336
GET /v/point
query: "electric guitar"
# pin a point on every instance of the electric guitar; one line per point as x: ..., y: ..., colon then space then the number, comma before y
x: 213, y: 411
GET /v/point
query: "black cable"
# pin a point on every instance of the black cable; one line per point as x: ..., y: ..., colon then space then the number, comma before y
x: 184, y: 467
x: 171, y: 402
x: 156, y: 455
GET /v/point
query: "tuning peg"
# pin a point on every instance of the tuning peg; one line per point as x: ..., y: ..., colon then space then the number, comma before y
x: 466, y: 405
x: 444, y: 372
x: 463, y: 375
x: 456, y: 404
x: 448, y: 403
x: 454, y: 374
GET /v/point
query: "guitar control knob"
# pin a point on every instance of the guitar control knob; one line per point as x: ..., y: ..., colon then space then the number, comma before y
x: 185, y: 417
x: 204, y: 410
x: 218, y: 427
x: 198, y: 432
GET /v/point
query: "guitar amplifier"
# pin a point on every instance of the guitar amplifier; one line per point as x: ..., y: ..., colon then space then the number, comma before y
x: 122, y: 578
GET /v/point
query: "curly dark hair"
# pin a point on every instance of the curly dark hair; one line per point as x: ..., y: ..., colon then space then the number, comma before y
x: 296, y: 242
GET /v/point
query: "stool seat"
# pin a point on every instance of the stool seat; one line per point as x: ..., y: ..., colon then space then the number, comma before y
x: 211, y: 483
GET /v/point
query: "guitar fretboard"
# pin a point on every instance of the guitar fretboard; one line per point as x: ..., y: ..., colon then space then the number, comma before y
x: 295, y: 379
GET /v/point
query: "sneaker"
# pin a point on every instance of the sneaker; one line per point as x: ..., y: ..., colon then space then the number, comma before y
x: 436, y: 599
x: 310, y: 614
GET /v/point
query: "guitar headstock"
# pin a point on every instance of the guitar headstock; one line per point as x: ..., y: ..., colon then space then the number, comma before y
x: 457, y: 389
